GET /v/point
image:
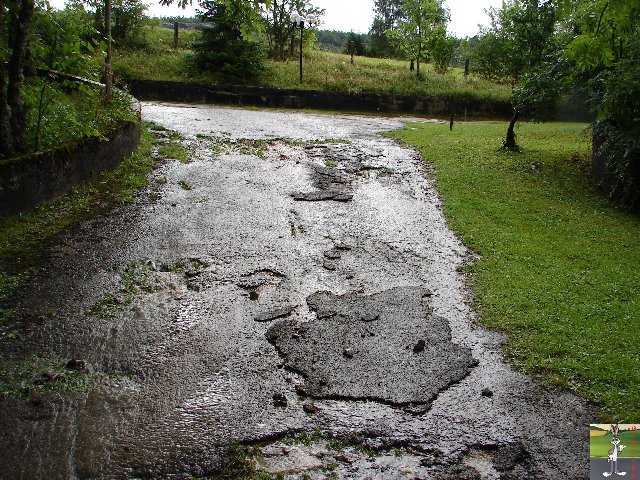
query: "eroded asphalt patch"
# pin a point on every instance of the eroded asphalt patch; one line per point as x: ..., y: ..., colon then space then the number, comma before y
x: 293, y: 288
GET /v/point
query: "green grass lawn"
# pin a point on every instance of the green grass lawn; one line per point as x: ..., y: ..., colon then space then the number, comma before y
x: 322, y: 71
x: 599, y: 446
x: 560, y: 266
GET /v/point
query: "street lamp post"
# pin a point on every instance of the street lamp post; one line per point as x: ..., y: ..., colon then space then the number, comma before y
x: 299, y: 21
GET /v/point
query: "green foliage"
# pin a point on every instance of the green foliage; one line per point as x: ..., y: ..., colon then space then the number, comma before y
x: 387, y: 14
x: 223, y: 50
x: 42, y: 377
x: 334, y: 41
x: 66, y: 41
x: 414, y: 35
x: 358, y: 44
x: 559, y: 265
x: 65, y: 112
x: 23, y: 237
x: 620, y: 152
x: 516, y: 40
x: 442, y: 47
x: 127, y: 19
x: 322, y: 71
x: 281, y: 32
x: 606, y: 49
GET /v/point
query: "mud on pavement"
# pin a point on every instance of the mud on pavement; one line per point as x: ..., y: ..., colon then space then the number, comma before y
x: 293, y: 294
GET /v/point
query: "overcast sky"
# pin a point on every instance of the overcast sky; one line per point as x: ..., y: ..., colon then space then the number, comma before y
x: 357, y: 15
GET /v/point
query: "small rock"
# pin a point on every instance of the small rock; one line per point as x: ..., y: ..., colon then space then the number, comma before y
x: 341, y: 457
x: 348, y: 352
x: 342, y: 246
x: 350, y: 276
x: 52, y: 376
x: 77, y: 364
x: 370, y: 317
x: 419, y: 409
x: 487, y: 392
x: 309, y: 407
x: 332, y: 254
x: 419, y: 347
x: 289, y: 379
x: 300, y: 389
x: 152, y: 265
x: 191, y: 273
x: 174, y: 204
x: 274, y: 314
x: 280, y: 400
x: 253, y: 295
x: 329, y: 265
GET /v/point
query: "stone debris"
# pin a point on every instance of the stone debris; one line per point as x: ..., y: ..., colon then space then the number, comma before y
x: 274, y: 314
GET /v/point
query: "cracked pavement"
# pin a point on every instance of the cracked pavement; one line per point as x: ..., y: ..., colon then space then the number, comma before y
x: 313, y: 286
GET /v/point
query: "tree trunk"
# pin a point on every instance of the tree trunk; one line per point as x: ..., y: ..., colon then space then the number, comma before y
x: 108, y: 76
x: 510, y: 140
x: 15, y: 100
x: 6, y: 140
x: 6, y: 143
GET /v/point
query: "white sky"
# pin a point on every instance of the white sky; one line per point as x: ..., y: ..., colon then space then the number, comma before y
x: 357, y: 15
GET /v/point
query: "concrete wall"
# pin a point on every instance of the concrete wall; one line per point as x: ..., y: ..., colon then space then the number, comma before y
x: 30, y: 179
x: 288, y: 98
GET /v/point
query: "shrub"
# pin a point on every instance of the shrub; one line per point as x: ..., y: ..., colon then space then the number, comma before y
x: 221, y: 49
x: 618, y: 154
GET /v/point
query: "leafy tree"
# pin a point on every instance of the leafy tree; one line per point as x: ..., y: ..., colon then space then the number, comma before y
x: 358, y: 43
x: 387, y: 15
x: 442, y: 48
x: 222, y: 48
x: 414, y: 34
x: 280, y: 31
x: 606, y: 48
x: 521, y: 45
x: 127, y: 17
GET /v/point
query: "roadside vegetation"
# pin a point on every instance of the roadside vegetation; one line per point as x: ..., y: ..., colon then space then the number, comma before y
x: 24, y: 237
x: 559, y: 265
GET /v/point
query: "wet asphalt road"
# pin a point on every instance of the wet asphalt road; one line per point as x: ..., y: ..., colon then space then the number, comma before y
x: 307, y: 284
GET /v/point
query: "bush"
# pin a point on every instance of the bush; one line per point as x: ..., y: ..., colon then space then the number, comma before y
x: 617, y: 155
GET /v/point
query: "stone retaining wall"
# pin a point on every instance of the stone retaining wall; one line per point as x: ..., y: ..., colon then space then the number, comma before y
x: 321, y: 100
x: 30, y: 179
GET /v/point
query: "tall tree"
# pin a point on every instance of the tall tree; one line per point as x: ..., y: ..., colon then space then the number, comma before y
x: 413, y: 35
x: 520, y: 38
x: 14, y: 28
x: 387, y: 13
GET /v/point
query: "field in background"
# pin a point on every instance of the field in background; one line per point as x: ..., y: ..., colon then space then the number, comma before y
x: 322, y: 71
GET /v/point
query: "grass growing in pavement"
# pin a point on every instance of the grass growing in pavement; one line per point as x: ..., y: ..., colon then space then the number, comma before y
x: 560, y: 266
x: 23, y: 236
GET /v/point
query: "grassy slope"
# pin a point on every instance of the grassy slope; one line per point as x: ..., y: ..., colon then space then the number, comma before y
x: 560, y: 266
x: 322, y: 71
